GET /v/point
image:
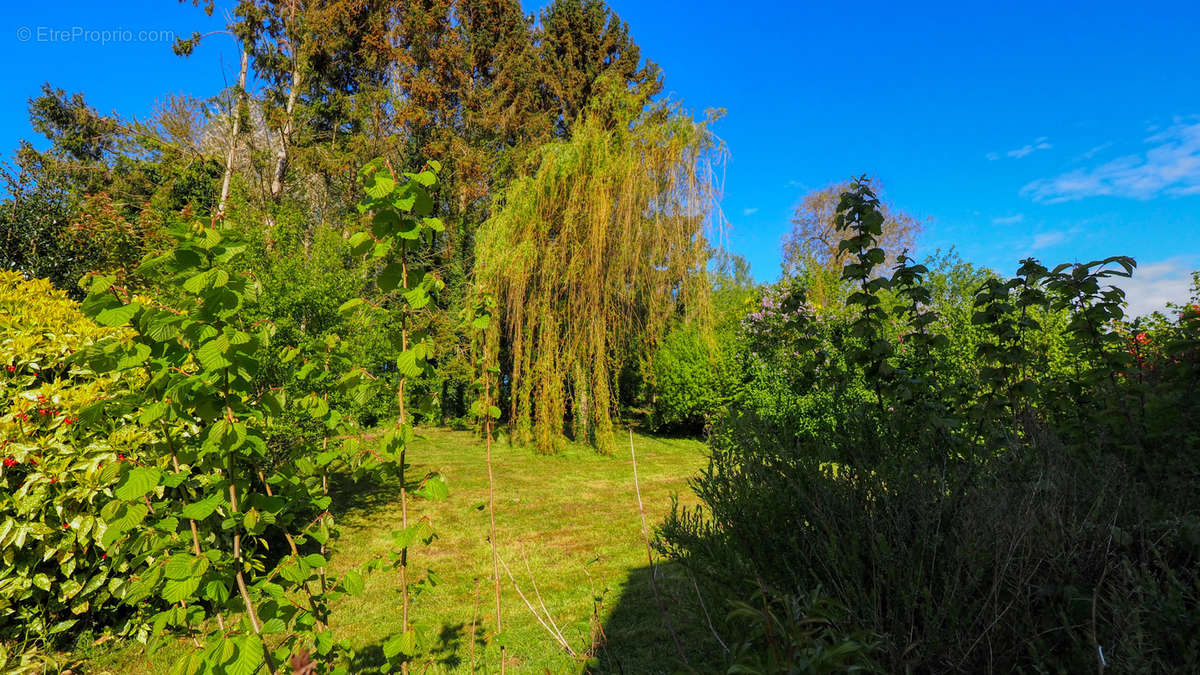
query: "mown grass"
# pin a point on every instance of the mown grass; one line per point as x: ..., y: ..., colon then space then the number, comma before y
x: 572, y: 517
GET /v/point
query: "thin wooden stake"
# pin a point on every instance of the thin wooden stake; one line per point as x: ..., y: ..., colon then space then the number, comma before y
x: 650, y: 556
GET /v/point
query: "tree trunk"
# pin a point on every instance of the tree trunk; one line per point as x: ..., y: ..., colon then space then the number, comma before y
x: 233, y: 136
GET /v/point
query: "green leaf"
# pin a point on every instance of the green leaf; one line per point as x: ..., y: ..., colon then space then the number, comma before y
x: 361, y: 243
x: 353, y: 582
x: 61, y: 626
x: 252, y: 519
x: 406, y: 364
x: 215, y: 354
x: 315, y: 560
x: 416, y: 298
x: 139, y: 481
x: 177, y: 590
x: 189, y: 664
x: 226, y: 435
x: 135, y: 355
x: 391, y: 277
x: 121, y: 518
x: 216, y: 591
x: 385, y: 223
x: 117, y: 316
x: 100, y: 284
x: 434, y: 488
x: 425, y: 178
x: 378, y: 185
x: 404, y: 643
x: 295, y: 571
x: 349, y: 306
x: 152, y: 413
x: 186, y: 566
x: 249, y: 656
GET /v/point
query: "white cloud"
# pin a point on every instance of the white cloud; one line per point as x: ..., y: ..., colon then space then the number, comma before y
x: 1039, y: 144
x: 1096, y: 150
x: 1155, y: 284
x: 1047, y: 239
x: 1027, y: 149
x: 1170, y: 167
x: 750, y: 211
x: 1009, y: 220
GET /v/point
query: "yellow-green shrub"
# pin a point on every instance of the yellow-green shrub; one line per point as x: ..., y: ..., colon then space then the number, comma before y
x: 58, y: 462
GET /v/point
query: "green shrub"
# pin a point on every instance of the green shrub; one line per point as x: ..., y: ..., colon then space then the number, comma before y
x: 691, y: 381
x: 1006, y: 489
x: 59, y: 461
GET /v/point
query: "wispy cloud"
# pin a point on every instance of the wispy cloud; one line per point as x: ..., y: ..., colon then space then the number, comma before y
x: 1028, y: 149
x: 1155, y: 284
x: 1009, y: 220
x: 750, y: 211
x: 1048, y: 239
x: 1170, y: 167
x: 1096, y: 150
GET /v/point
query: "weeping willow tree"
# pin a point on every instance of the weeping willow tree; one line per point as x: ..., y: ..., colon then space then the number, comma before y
x: 590, y: 257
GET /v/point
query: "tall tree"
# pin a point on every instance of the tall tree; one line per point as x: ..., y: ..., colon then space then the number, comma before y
x: 811, y: 250
x: 813, y: 239
x: 580, y: 42
x: 590, y: 257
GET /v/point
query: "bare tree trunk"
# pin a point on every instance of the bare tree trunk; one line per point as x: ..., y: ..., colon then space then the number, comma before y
x: 233, y: 136
x: 285, y: 135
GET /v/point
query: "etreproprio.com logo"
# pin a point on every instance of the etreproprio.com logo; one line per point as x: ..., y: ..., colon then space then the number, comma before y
x: 100, y: 36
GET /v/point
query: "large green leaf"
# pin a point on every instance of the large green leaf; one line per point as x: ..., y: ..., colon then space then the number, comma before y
x: 249, y: 656
x: 117, y: 316
x: 353, y: 582
x: 378, y: 185
x: 201, y: 509
x: 434, y: 488
x: 177, y: 590
x: 406, y: 364
x: 391, y: 277
x: 215, y: 354
x: 139, y: 481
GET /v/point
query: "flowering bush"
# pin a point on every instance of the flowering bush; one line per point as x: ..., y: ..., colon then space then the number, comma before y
x: 59, y: 460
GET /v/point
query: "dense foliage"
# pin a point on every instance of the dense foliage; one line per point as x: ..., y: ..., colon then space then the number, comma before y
x: 590, y: 259
x: 960, y: 512
x: 222, y: 323
x: 60, y: 459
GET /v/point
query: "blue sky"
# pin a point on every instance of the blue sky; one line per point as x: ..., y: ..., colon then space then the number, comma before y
x: 1066, y: 131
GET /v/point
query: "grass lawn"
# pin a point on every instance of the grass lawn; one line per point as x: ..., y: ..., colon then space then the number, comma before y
x: 573, y: 517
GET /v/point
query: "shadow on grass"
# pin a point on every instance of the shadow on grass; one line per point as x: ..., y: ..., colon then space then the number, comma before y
x: 445, y: 652
x: 368, y: 493
x: 637, y: 634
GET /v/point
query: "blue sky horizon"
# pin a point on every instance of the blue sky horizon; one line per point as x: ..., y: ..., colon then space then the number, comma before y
x: 1063, y: 131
